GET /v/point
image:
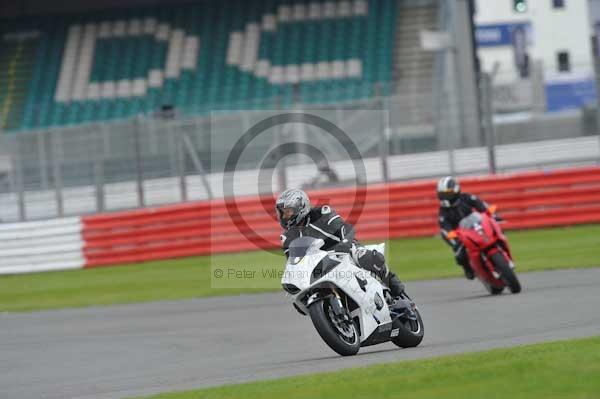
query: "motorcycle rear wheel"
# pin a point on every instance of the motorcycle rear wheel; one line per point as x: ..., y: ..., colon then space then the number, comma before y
x: 410, y: 332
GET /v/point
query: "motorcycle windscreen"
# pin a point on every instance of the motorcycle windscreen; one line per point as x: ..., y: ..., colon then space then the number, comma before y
x: 303, y: 246
x: 471, y: 221
x: 304, y: 255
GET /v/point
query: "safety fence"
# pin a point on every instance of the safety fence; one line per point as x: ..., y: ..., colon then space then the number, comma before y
x: 159, y: 191
x: 525, y: 200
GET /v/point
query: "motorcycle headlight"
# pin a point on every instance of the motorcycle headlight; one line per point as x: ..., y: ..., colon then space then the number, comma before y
x: 290, y: 288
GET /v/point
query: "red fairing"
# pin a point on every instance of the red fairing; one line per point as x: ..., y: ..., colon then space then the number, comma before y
x: 501, y: 238
x: 484, y: 237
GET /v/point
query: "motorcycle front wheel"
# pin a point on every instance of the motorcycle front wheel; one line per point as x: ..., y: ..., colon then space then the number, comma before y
x: 340, y: 335
x: 506, y: 273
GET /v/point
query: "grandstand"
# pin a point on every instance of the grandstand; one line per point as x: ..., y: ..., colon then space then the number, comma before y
x: 73, y: 85
x: 117, y: 63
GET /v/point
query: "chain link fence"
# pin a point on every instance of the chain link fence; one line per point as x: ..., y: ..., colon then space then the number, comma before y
x: 151, y: 160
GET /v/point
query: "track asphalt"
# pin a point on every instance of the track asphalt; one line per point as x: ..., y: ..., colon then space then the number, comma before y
x: 137, y: 349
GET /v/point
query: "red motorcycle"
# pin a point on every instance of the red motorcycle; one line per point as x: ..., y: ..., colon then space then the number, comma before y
x: 488, y: 251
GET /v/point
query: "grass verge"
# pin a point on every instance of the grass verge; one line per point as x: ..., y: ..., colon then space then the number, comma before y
x: 564, y: 369
x: 413, y: 259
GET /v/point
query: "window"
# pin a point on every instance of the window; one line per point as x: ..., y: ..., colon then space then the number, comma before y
x: 564, y: 65
x: 520, y: 6
x: 558, y: 3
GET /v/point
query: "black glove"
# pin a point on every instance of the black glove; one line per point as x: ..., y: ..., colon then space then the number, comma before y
x: 497, y: 218
x: 344, y: 246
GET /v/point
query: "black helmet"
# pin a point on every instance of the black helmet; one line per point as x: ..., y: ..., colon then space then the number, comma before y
x: 448, y: 191
x: 292, y: 207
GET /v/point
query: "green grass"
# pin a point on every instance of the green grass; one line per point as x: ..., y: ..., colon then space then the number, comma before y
x: 544, y: 249
x: 413, y: 259
x: 564, y: 369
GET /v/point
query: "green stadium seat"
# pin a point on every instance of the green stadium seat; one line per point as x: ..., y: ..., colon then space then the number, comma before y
x: 318, y: 52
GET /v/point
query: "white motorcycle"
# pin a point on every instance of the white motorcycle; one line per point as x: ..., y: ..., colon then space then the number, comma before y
x: 347, y: 305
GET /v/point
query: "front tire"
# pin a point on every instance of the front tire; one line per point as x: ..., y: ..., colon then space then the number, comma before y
x: 410, y: 332
x: 493, y: 290
x: 506, y: 273
x: 342, y: 338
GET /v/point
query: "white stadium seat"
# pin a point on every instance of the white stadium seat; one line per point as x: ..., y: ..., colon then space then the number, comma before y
x: 284, y: 14
x: 323, y: 70
x: 338, y: 69
x: 150, y: 26
x: 173, y: 65
x: 124, y: 88
x: 135, y: 27
x: 191, y: 49
x: 108, y: 90
x: 329, y: 9
x: 234, y: 50
x: 292, y: 74
x: 353, y: 68
x: 276, y: 75
x: 269, y: 23
x: 105, y: 30
x: 344, y: 9
x: 299, y: 12
x: 93, y: 91
x: 360, y: 7
x: 163, y: 32
x: 262, y: 68
x: 155, y: 78
x: 307, y: 72
x: 314, y: 11
x: 250, y: 48
x: 119, y: 28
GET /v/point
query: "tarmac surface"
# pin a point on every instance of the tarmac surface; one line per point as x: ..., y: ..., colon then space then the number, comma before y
x: 138, y: 349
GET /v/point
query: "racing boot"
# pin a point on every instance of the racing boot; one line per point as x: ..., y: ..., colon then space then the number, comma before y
x: 469, y: 274
x: 397, y: 300
x: 463, y: 260
x: 396, y: 286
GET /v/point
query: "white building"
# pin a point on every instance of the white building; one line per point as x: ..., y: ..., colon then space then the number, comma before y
x: 558, y: 39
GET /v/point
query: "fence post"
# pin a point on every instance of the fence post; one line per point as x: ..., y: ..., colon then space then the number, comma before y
x: 180, y: 151
x: 384, y: 144
x: 18, y: 177
x: 43, y: 158
x: 197, y: 163
x: 138, y: 162
x: 281, y: 173
x: 56, y: 140
x: 488, y: 121
x: 449, y: 135
x: 171, y: 130
x: 98, y: 138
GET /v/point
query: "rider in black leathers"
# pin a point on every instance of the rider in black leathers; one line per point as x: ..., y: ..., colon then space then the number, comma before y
x: 298, y: 218
x: 454, y: 206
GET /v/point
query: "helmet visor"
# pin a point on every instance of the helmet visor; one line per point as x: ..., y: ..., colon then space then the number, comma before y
x: 448, y: 198
x: 285, y: 215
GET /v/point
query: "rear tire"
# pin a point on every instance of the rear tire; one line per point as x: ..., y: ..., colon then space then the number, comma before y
x: 345, y: 345
x: 506, y: 273
x: 410, y: 332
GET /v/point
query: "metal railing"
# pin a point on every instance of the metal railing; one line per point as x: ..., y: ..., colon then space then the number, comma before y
x: 149, y: 160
